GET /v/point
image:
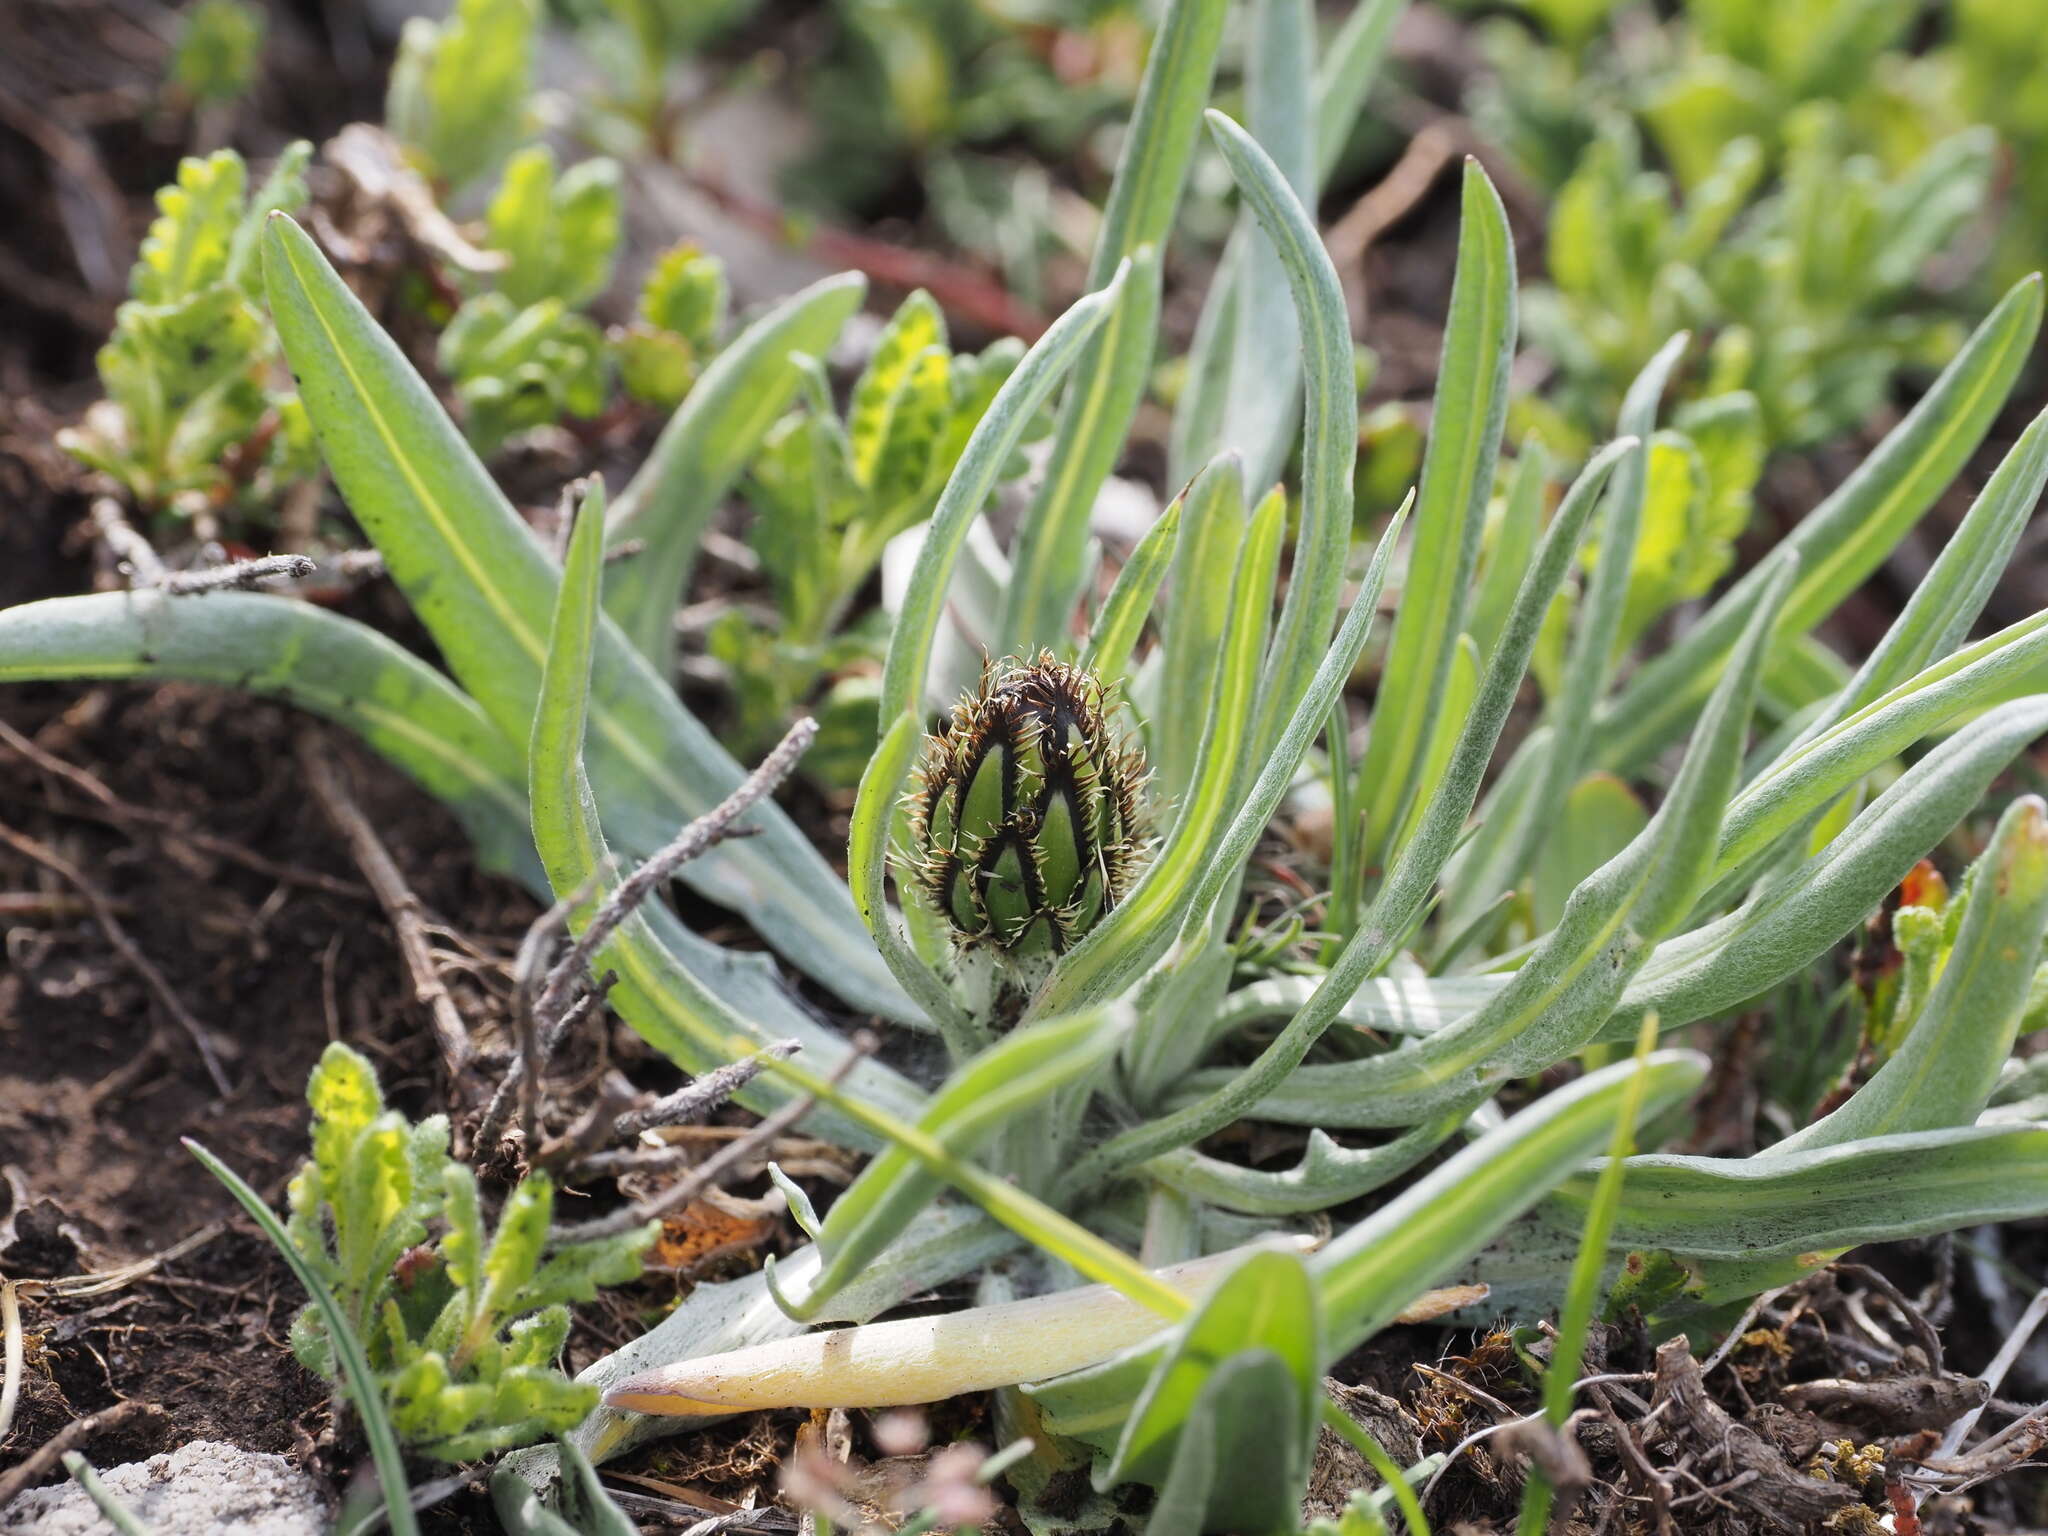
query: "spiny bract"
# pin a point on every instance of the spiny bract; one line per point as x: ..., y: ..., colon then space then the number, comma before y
x: 1027, y: 821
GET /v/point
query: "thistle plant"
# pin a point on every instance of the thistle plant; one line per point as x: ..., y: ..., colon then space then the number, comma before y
x: 1459, y: 957
x: 1027, y: 821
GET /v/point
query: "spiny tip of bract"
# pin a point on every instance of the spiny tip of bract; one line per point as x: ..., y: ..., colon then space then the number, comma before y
x: 1027, y: 819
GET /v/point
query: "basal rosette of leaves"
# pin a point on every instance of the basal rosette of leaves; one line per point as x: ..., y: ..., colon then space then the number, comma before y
x: 1543, y: 831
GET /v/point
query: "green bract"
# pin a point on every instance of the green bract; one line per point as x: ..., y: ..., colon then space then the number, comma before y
x: 1027, y: 824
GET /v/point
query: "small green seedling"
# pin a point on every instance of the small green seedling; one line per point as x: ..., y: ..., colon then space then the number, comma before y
x: 197, y: 413
x: 462, y: 1327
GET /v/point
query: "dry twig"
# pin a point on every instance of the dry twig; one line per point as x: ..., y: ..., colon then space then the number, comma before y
x: 550, y: 1017
x: 44, y: 1458
x: 125, y: 947
x: 408, y: 916
x: 693, y: 1183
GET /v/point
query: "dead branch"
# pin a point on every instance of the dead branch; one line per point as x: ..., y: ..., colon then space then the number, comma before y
x: 550, y: 1015
x: 693, y: 1183
x: 408, y: 916
x: 694, y: 1100
x: 125, y: 947
x: 1761, y: 1480
x: 44, y: 1458
x: 236, y: 575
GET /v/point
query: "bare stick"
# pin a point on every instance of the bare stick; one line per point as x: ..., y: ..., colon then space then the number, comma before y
x: 693, y: 1183
x: 408, y: 917
x: 135, y: 555
x: 238, y: 574
x: 121, y: 812
x: 550, y: 1013
x: 141, y: 964
x: 1994, y: 1374
x: 39, y: 1462
x: 694, y: 1100
x: 695, y: 840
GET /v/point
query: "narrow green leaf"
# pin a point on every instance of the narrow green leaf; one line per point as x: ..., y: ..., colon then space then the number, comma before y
x: 700, y: 453
x: 1942, y: 1074
x: 1802, y: 913
x: 656, y: 992
x: 1826, y: 1199
x: 1843, y: 539
x: 1264, y: 396
x: 1329, y: 432
x: 1096, y: 415
x: 341, y: 670
x: 1569, y: 985
x: 1205, y: 565
x: 1181, y: 890
x: 348, y: 1349
x: 1016, y: 1075
x: 1514, y: 541
x: 1117, y: 627
x: 1369, y: 1272
x: 480, y: 581
x: 867, y: 858
x: 1590, y: 661
x: 1457, y: 480
x: 1265, y: 1305
x: 995, y: 438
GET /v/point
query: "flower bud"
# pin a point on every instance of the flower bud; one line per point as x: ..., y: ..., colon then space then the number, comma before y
x: 1027, y: 823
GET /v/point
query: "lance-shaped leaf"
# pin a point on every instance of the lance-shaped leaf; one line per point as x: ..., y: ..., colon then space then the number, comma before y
x: 1825, y: 1199
x: 1590, y: 661
x: 994, y: 439
x: 1803, y: 782
x: 1457, y: 480
x: 1801, y: 914
x: 1371, y: 1272
x: 1327, y: 1175
x: 1946, y: 602
x: 1186, y: 881
x: 1367, y: 1274
x: 339, y: 669
x: 1019, y: 1073
x: 481, y: 583
x: 1345, y: 72
x: 700, y: 453
x: 1263, y: 397
x: 1844, y: 539
x: 1114, y: 634
x: 1239, y: 1382
x: 1407, y: 886
x: 656, y: 992
x: 1096, y: 415
x: 1198, y: 608
x: 1567, y: 988
x: 867, y: 859
x: 1329, y: 436
x: 1943, y: 1072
